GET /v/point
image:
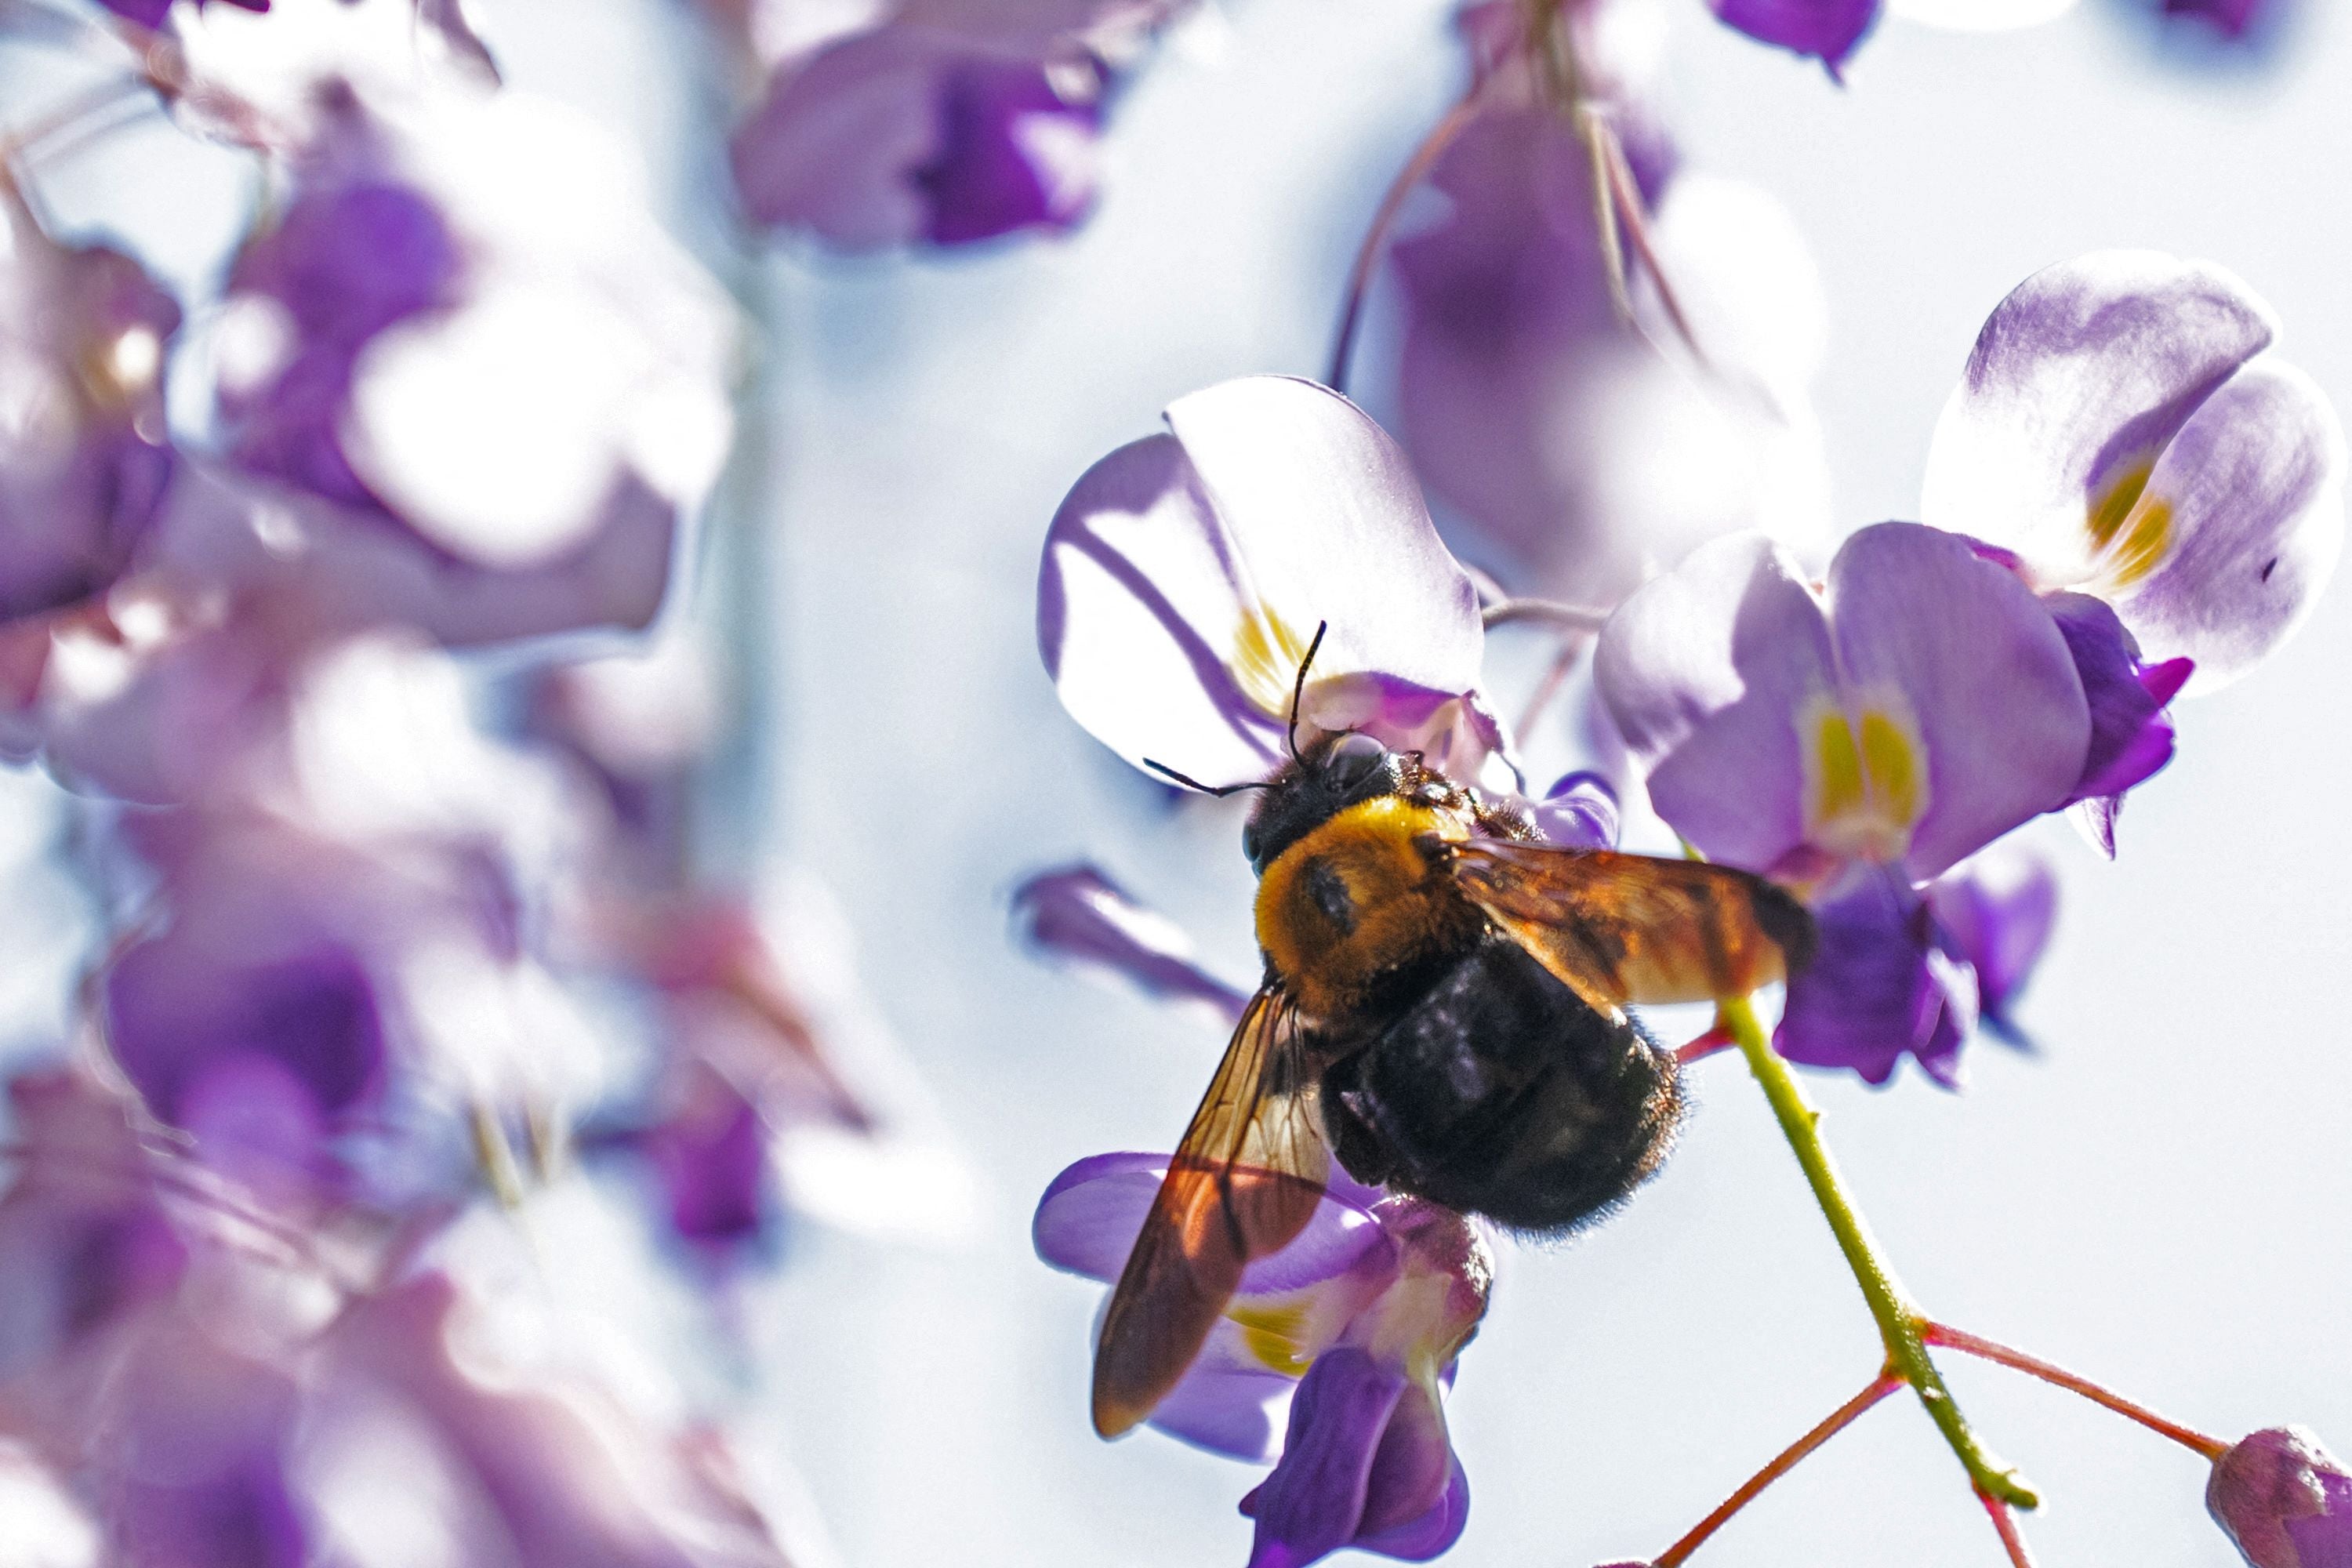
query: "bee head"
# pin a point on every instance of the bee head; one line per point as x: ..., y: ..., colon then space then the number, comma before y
x: 1343, y: 771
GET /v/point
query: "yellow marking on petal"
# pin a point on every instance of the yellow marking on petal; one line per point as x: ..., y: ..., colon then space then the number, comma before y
x: 2112, y: 506
x: 1837, y: 767
x: 1891, y: 767
x: 1267, y: 652
x: 1865, y: 782
x: 1272, y: 1334
x: 2130, y: 528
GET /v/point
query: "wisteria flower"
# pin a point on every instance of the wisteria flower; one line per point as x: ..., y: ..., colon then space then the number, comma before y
x: 1575, y: 456
x: 946, y: 124
x: 1186, y: 574
x: 1856, y: 740
x: 2284, y: 1500
x: 2123, y: 431
x: 1355, y: 1326
x: 463, y: 326
x: 1831, y: 30
x: 84, y: 456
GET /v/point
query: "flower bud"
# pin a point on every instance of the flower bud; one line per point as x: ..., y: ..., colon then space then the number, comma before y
x: 2284, y: 1500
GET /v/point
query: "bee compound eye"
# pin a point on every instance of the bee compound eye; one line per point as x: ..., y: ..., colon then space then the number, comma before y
x: 1352, y: 759
x: 1250, y: 843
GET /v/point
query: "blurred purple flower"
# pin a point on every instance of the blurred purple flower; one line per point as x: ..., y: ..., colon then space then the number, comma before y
x: 151, y: 12
x: 1356, y: 1324
x: 946, y: 123
x: 709, y: 1152
x: 2284, y: 1500
x: 1185, y: 575
x: 1079, y: 915
x: 2234, y: 19
x: 463, y: 324
x: 1827, y: 30
x: 1580, y: 453
x: 84, y: 456
x: 2121, y: 432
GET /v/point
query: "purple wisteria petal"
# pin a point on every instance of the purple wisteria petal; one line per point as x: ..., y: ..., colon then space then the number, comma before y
x: 1703, y: 671
x: 1579, y: 811
x: 1996, y: 913
x: 2121, y: 430
x: 1574, y: 457
x: 1961, y: 650
x: 151, y: 12
x: 902, y: 134
x: 84, y: 456
x: 709, y: 1154
x: 2081, y: 377
x: 2244, y: 517
x: 1366, y: 1455
x: 1882, y: 985
x: 2283, y: 1500
x: 1185, y: 575
x: 1826, y: 29
x: 2131, y: 736
x: 1079, y: 915
x: 1431, y: 1535
x: 1088, y: 1220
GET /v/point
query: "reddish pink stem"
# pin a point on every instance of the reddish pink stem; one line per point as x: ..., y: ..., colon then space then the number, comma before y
x: 2005, y: 1523
x: 1972, y: 1344
x: 1368, y: 255
x: 1837, y: 1421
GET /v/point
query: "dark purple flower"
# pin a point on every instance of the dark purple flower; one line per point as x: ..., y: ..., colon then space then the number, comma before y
x: 1355, y: 1325
x: 1078, y: 914
x: 902, y: 134
x: 84, y: 456
x: 1185, y: 575
x: 2234, y: 19
x: 709, y: 1152
x: 2283, y: 1500
x: 1826, y: 29
x: 1885, y: 983
x: 2122, y: 431
x: 2131, y: 733
x: 151, y: 12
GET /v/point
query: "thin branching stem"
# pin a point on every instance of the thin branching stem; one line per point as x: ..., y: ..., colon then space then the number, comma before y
x: 2016, y: 1360
x: 2004, y: 1524
x: 1550, y: 612
x: 1786, y: 1460
x: 1900, y: 1323
x: 1375, y: 243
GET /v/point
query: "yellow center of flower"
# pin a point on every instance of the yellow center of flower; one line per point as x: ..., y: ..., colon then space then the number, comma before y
x: 1866, y: 778
x: 2131, y: 528
x: 1267, y: 652
x: 1273, y: 1334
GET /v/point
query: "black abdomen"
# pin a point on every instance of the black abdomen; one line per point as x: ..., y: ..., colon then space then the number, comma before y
x: 1501, y: 1092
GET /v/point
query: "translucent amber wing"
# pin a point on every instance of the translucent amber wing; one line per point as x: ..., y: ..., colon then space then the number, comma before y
x: 1632, y: 928
x: 1243, y: 1183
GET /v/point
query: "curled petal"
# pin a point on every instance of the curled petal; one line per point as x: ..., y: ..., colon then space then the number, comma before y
x: 1827, y: 30
x: 2078, y: 380
x: 1703, y: 670
x: 1581, y: 812
x: 1882, y: 987
x: 2131, y: 737
x: 2241, y: 522
x: 1185, y: 576
x: 1079, y: 914
x: 1366, y: 1455
x: 1962, y: 645
x: 1996, y: 913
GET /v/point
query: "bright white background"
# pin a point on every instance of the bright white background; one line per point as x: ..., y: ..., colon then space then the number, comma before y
x: 2159, y: 1199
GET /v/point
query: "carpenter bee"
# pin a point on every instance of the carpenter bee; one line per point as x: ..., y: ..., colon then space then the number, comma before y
x: 1444, y: 1011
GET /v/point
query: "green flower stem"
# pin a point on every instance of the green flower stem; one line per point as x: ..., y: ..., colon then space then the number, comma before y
x: 1900, y: 1323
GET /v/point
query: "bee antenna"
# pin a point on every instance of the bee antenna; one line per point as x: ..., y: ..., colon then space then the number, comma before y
x: 1220, y: 791
x: 1298, y: 686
